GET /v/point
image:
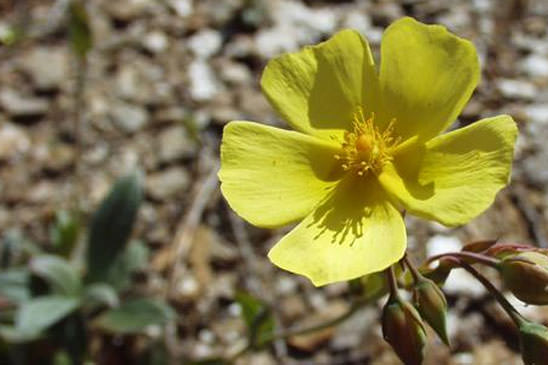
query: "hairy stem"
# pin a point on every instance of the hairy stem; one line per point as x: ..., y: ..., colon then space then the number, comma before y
x: 489, y: 261
x: 504, y: 303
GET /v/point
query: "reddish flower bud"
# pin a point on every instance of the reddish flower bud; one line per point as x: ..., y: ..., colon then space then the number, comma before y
x: 526, y: 276
x: 403, y: 329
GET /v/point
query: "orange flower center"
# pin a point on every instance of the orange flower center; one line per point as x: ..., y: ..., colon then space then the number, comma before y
x: 366, y: 149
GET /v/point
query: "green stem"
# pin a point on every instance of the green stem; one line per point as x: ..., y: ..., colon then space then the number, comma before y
x: 504, y: 303
x: 489, y: 261
x: 392, y: 283
x: 332, y: 322
x: 417, y: 276
x: 304, y: 330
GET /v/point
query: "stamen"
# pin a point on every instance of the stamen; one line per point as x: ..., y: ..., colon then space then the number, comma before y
x: 365, y: 148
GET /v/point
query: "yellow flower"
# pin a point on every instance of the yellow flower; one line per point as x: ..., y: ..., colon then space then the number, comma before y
x: 366, y: 146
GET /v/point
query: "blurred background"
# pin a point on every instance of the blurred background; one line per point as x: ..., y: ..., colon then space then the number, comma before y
x: 92, y: 91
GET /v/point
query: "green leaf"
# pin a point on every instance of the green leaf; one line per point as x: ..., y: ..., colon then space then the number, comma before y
x: 39, y: 313
x: 14, y: 285
x: 134, y: 316
x: 12, y: 334
x: 61, y: 358
x: 58, y: 273
x: 100, y: 294
x: 79, y: 29
x: 258, y: 318
x: 112, y: 225
x: 134, y: 257
x: 64, y: 232
x: 10, y: 35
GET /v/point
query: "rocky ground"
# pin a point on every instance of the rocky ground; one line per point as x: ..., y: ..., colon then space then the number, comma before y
x: 162, y: 80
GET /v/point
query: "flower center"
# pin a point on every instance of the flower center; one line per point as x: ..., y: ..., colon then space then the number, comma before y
x: 366, y: 149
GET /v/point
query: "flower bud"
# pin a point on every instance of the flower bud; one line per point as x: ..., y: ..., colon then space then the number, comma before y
x: 526, y: 276
x: 403, y: 329
x: 534, y: 343
x: 432, y: 306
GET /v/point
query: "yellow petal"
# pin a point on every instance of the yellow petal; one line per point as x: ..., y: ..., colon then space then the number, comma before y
x: 354, y: 232
x: 270, y: 176
x: 318, y: 89
x: 454, y: 177
x: 427, y: 75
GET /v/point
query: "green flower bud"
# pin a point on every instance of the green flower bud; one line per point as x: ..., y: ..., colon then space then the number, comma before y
x: 534, y: 343
x: 526, y: 276
x: 432, y: 306
x: 403, y: 329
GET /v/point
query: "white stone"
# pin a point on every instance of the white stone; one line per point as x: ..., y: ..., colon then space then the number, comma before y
x: 13, y: 142
x: 530, y: 43
x: 205, y: 43
x: 537, y: 113
x: 165, y: 184
x: 453, y: 321
x: 235, y: 310
x: 294, y: 24
x: 47, y: 66
x: 440, y: 244
x: 183, y: 8
x: 206, y: 336
x: 358, y: 21
x: 174, y: 144
x: 481, y: 5
x: 129, y: 118
x: 518, y: 89
x: 374, y: 35
x: 203, y: 84
x: 236, y: 73
x: 286, y: 285
x: 273, y: 41
x: 18, y: 105
x: 202, y: 350
x: 188, y: 286
x: 535, y: 65
x: 155, y: 42
x: 461, y: 282
x: 297, y: 14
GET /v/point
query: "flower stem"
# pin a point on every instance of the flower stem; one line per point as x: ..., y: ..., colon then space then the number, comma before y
x: 332, y: 322
x: 489, y: 261
x: 504, y: 303
x: 417, y: 276
x: 392, y: 283
x: 356, y: 305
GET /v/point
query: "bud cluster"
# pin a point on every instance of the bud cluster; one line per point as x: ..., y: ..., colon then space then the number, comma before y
x: 524, y: 272
x: 403, y: 329
x: 523, y: 269
x: 402, y: 322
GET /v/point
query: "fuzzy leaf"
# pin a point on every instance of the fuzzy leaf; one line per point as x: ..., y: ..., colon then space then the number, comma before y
x: 79, y: 29
x: 112, y: 225
x: 258, y: 318
x: 134, y: 316
x: 59, y: 274
x: 39, y: 313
